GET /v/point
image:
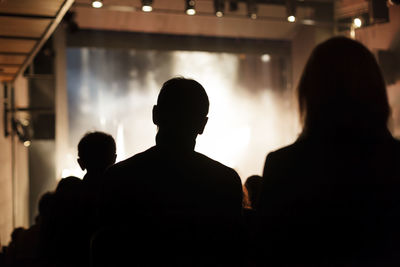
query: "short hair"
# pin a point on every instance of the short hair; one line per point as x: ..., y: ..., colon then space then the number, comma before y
x: 342, y: 86
x: 67, y: 185
x: 46, y: 204
x: 97, y: 148
x: 182, y: 101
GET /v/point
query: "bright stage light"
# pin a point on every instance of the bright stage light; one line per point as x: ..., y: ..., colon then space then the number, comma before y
x: 147, y: 5
x: 147, y: 8
x: 219, y: 14
x: 97, y: 4
x: 191, y: 12
x: 357, y: 22
x: 252, y: 9
x: 120, y: 142
x: 190, y: 7
x: 219, y: 7
x: 291, y: 8
x: 265, y: 58
x: 245, y: 123
x: 27, y: 143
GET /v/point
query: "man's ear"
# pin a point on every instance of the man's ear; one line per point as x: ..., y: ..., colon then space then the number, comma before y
x: 156, y: 115
x: 81, y: 164
x: 203, y: 125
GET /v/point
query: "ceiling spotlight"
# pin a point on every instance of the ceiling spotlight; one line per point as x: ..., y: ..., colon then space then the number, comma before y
x: 291, y: 18
x: 357, y: 22
x: 147, y: 5
x: 291, y: 10
x: 252, y: 9
x: 190, y: 7
x: 23, y: 129
x: 27, y: 143
x: 97, y: 3
x: 219, y: 7
x: 265, y: 58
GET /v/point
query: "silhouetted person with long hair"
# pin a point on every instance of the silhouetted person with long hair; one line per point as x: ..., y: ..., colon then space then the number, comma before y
x: 179, y: 205
x: 333, y: 196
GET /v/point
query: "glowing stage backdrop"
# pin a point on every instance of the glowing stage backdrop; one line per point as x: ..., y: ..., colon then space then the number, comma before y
x: 114, y: 90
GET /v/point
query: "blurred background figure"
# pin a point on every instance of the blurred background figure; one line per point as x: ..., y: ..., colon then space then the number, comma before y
x: 252, y: 186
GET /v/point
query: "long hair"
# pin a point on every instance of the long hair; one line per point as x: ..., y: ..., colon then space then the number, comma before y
x: 342, y: 88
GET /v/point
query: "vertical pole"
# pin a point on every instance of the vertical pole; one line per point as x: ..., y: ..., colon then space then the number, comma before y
x: 5, y: 114
x: 13, y: 176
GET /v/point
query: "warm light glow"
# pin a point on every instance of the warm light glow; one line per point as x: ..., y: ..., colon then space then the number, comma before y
x: 25, y: 122
x: 219, y: 14
x: 72, y: 172
x: 27, y: 143
x: 265, y: 58
x: 243, y: 125
x: 97, y: 4
x: 308, y: 22
x: 357, y: 22
x: 120, y: 143
x: 191, y: 11
x: 147, y: 8
x: 291, y: 18
x: 352, y: 33
x: 253, y: 16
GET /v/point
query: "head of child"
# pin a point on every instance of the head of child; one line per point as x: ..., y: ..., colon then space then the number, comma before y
x: 96, y: 152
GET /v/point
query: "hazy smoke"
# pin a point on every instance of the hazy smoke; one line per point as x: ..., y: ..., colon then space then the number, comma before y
x: 251, y: 111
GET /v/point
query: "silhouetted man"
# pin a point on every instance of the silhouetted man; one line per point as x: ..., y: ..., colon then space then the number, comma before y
x: 178, y: 205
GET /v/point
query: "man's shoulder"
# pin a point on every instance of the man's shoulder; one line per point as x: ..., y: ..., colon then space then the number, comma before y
x: 132, y: 162
x: 215, y: 166
x: 292, y: 149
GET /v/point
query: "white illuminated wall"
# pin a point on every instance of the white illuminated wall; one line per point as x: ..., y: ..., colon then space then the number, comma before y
x: 114, y: 91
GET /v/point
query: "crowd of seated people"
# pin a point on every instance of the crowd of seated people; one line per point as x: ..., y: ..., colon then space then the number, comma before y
x: 332, y: 198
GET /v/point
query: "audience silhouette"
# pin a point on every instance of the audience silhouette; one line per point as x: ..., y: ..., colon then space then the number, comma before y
x: 332, y: 197
x: 67, y: 240
x: 178, y: 205
x: 329, y: 199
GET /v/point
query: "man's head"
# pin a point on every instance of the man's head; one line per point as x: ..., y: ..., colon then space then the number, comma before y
x: 182, y: 107
x: 96, y: 151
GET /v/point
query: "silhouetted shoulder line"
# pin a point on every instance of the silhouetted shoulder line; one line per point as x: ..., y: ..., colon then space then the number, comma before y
x: 215, y: 163
x: 288, y: 148
x: 131, y: 160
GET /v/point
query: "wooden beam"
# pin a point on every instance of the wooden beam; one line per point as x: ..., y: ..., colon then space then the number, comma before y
x: 23, y: 27
x: 16, y: 45
x: 31, y: 7
x: 4, y: 69
x: 50, y: 29
x: 12, y: 59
